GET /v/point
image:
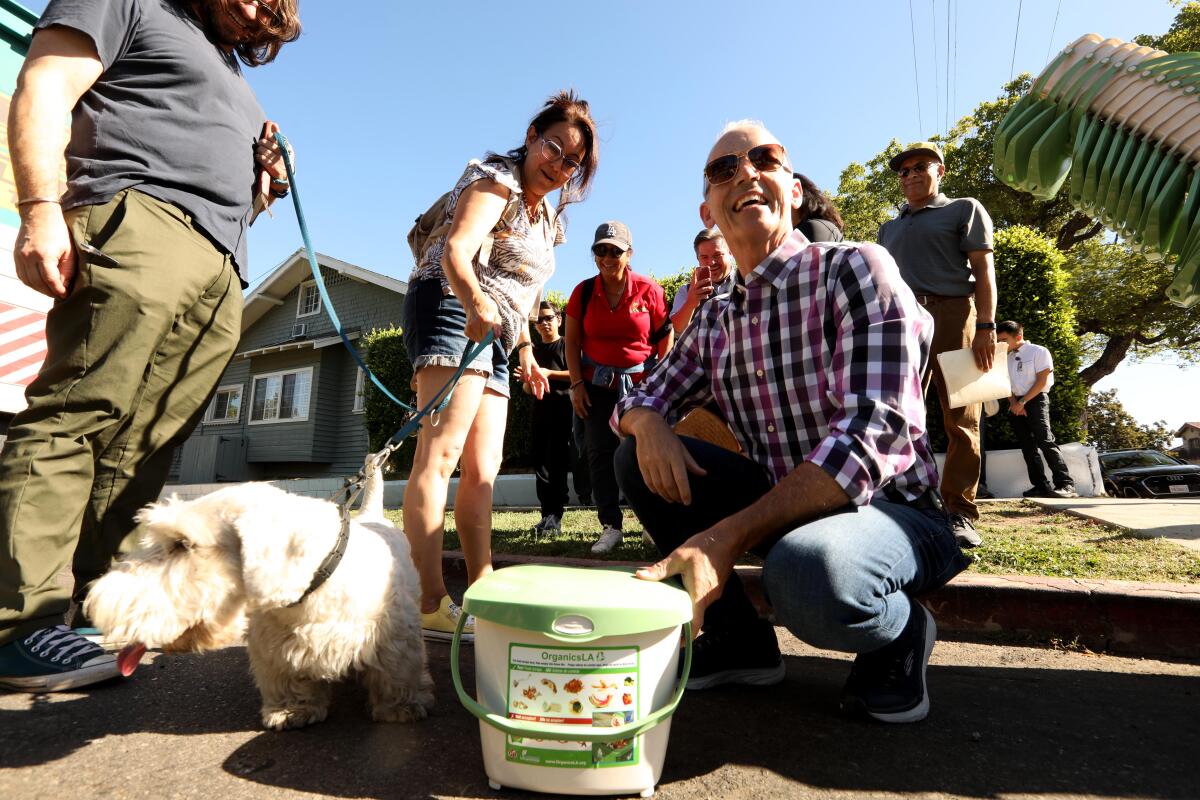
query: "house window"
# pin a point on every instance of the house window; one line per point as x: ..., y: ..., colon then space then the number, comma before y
x: 360, y: 388
x: 226, y: 405
x: 281, y: 396
x: 310, y: 300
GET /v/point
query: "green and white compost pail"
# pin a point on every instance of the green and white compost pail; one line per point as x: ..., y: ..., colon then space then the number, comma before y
x: 576, y: 677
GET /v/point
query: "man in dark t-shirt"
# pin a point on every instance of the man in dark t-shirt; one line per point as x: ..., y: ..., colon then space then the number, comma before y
x: 943, y: 246
x: 169, y: 156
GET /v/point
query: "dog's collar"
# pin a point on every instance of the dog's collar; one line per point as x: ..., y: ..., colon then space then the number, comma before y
x: 330, y: 562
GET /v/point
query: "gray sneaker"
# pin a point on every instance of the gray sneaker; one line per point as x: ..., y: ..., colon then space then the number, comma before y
x: 609, y: 539
x: 54, y: 659
x: 549, y: 525
x: 964, y: 531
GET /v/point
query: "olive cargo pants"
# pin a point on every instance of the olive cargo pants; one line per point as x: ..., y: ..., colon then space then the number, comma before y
x: 133, y: 356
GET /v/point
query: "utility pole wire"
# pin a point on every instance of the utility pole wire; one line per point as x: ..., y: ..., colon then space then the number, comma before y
x: 954, y: 96
x: 1053, y: 28
x: 948, y: 2
x: 1016, y: 35
x: 937, y: 89
x: 916, y: 75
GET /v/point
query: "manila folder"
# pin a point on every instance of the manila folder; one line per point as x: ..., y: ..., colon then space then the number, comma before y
x: 966, y: 383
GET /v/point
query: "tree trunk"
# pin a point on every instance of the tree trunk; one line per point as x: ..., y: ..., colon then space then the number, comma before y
x: 1069, y: 235
x: 1114, y: 353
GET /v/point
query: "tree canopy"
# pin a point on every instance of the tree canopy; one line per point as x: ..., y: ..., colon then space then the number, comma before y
x: 1110, y: 426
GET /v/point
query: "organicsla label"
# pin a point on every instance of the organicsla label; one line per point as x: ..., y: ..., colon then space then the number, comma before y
x: 578, y: 686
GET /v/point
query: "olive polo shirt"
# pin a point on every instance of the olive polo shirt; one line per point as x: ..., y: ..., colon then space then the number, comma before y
x: 931, y: 244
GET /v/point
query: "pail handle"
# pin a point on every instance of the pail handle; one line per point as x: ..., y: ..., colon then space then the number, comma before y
x: 549, y: 730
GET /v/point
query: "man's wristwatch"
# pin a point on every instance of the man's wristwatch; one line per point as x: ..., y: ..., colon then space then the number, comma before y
x: 985, y: 326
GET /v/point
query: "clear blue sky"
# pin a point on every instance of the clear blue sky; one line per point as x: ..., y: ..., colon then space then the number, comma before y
x: 385, y: 103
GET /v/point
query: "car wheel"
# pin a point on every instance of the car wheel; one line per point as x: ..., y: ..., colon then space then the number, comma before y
x: 1110, y: 489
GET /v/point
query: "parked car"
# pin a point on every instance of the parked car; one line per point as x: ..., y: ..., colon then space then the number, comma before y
x: 1148, y: 473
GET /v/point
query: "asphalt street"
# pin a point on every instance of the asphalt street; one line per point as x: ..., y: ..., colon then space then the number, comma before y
x: 1007, y: 722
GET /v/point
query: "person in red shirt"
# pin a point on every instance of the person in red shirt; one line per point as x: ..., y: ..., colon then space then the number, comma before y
x: 617, y: 327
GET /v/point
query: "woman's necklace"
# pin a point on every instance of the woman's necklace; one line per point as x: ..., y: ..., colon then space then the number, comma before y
x: 534, y: 210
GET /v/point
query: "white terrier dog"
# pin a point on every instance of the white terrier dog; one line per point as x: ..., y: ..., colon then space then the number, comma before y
x: 244, y: 558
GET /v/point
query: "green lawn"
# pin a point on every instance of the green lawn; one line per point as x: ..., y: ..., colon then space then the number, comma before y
x: 1020, y: 538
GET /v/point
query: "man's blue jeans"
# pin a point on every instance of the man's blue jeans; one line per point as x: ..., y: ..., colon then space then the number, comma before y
x: 842, y: 582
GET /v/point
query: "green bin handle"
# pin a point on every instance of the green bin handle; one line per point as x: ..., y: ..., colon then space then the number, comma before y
x: 549, y: 730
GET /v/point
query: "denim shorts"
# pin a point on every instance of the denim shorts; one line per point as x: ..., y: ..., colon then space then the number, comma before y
x: 434, y: 325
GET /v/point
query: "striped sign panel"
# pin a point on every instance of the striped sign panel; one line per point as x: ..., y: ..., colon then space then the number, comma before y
x: 22, y: 344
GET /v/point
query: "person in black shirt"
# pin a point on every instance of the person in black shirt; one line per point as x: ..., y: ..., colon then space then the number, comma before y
x: 552, y: 418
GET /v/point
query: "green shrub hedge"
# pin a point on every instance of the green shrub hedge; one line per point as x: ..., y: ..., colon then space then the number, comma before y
x: 1032, y: 289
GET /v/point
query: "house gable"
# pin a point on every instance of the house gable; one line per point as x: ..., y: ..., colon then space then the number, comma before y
x: 330, y: 438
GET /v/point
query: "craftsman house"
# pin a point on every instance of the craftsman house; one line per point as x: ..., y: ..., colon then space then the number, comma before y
x: 290, y: 404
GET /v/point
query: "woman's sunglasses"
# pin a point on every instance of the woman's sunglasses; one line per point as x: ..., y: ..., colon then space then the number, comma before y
x: 764, y: 158
x: 606, y: 251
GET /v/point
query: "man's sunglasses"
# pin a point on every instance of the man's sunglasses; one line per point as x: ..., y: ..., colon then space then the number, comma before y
x: 546, y: 319
x: 764, y: 158
x: 265, y: 7
x: 920, y: 166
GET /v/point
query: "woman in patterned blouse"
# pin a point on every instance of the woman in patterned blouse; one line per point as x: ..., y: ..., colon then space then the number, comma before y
x: 455, y: 297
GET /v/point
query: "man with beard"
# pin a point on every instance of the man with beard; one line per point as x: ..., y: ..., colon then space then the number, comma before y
x: 815, y: 359
x: 167, y: 155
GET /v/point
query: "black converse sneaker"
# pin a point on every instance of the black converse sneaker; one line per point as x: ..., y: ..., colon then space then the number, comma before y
x: 747, y: 655
x: 54, y: 659
x: 888, y: 684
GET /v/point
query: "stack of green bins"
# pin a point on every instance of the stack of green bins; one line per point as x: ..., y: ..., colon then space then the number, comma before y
x: 1123, y: 122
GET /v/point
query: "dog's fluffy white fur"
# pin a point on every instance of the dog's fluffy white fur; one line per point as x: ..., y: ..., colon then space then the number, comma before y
x: 234, y: 561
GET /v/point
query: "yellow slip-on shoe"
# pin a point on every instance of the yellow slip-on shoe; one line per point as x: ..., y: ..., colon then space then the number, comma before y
x: 440, y: 624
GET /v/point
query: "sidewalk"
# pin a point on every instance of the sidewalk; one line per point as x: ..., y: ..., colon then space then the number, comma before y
x: 1126, y: 617
x: 1176, y: 521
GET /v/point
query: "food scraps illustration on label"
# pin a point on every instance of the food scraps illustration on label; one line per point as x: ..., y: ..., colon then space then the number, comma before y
x: 592, y: 686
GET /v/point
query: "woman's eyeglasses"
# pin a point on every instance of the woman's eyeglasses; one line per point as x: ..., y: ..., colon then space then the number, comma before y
x: 606, y: 251
x: 552, y: 151
x: 764, y: 158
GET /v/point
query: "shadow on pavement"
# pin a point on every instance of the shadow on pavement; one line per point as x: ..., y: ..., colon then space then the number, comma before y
x: 994, y: 731
x: 174, y: 694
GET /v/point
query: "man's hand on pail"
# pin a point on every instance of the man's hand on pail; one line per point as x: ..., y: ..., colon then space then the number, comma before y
x: 704, y: 562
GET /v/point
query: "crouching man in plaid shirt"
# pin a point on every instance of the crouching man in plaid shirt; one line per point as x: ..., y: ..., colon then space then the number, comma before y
x: 816, y: 361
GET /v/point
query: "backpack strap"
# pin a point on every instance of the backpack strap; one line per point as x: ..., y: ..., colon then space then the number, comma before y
x: 585, y: 297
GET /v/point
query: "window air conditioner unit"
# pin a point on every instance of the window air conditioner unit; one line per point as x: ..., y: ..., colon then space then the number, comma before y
x: 299, y: 330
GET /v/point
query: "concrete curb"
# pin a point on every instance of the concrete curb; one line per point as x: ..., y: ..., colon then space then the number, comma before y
x: 1125, y: 617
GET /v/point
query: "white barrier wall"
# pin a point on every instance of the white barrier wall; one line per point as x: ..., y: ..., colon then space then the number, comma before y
x: 1006, y: 478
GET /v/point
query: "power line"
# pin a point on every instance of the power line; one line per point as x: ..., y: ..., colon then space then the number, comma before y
x: 954, y: 96
x: 916, y: 75
x: 1053, y: 28
x: 1016, y: 35
x: 948, y: 2
x: 937, y: 89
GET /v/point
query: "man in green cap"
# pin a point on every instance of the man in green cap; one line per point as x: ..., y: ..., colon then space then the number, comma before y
x: 943, y: 246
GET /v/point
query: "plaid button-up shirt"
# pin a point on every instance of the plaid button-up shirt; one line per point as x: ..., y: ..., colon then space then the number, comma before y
x: 816, y: 356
